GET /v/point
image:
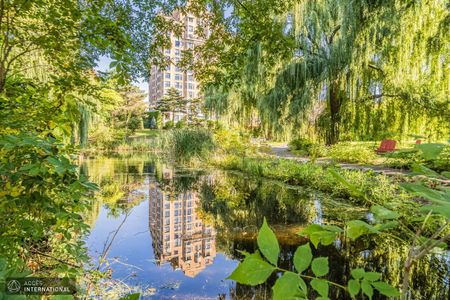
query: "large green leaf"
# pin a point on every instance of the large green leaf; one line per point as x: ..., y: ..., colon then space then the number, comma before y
x: 430, y: 151
x: 319, y: 266
x: 356, y: 228
x: 358, y: 273
x: 252, y: 270
x: 302, y: 258
x: 268, y: 243
x: 367, y: 288
x: 372, y: 276
x: 383, y: 213
x: 386, y: 289
x: 319, y: 234
x: 353, y: 287
x: 321, y: 286
x: 287, y: 287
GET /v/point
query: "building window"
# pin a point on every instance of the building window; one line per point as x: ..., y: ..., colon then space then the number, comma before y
x: 167, y: 51
x: 190, y: 86
x: 190, y: 28
x: 190, y: 77
x: 177, y: 43
x: 191, y: 95
x: 178, y: 77
x: 178, y: 85
x: 167, y: 75
x: 191, y: 19
x: 167, y: 83
x: 167, y: 214
x: 177, y: 52
x: 190, y: 45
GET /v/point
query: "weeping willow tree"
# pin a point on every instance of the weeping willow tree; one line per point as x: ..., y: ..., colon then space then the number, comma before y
x: 356, y: 70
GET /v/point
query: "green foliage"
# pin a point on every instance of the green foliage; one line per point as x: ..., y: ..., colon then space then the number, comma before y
x: 255, y: 270
x: 302, y: 258
x: 169, y: 125
x: 268, y: 244
x: 305, y: 147
x: 42, y: 200
x: 185, y: 145
x: 252, y: 270
x: 379, y: 187
x: 288, y: 287
x: 352, y: 152
x: 440, y: 198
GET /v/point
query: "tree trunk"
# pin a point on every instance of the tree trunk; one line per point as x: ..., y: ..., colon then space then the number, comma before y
x: 2, y: 78
x: 335, y: 108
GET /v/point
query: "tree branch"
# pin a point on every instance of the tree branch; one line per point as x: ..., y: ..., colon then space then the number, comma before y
x: 336, y: 29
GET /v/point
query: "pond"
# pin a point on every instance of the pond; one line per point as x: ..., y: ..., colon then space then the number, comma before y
x: 174, y: 233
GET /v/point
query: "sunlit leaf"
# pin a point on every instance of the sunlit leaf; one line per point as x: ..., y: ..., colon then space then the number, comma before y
x: 302, y: 258
x: 319, y: 266
x: 383, y: 213
x: 358, y: 273
x: 252, y: 270
x: 356, y: 228
x: 321, y: 286
x: 367, y: 288
x: 386, y: 289
x: 268, y: 243
x: 353, y: 287
x: 287, y: 287
x: 372, y: 276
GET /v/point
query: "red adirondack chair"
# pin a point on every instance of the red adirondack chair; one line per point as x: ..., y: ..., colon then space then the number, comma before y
x: 386, y: 146
x: 418, y: 142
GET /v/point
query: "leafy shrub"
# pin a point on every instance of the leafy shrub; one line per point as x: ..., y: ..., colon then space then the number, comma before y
x: 168, y: 125
x: 303, y: 146
x: 44, y: 199
x: 232, y: 142
x: 181, y: 124
x: 186, y: 144
x: 352, y: 152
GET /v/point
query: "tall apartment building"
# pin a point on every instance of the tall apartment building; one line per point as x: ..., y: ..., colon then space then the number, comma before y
x: 179, y: 236
x: 173, y: 76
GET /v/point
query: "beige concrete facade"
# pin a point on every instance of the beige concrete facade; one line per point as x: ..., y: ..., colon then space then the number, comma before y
x: 173, y: 76
x: 179, y: 236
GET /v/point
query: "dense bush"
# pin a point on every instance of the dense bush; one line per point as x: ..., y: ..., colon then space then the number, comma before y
x: 232, y: 142
x: 43, y: 199
x: 186, y: 144
x: 168, y: 125
x: 301, y: 146
x: 352, y: 152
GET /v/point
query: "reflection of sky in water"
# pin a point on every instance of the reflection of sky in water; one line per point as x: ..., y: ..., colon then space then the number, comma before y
x: 133, y: 247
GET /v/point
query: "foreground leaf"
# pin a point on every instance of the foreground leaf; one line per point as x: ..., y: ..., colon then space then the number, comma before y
x: 287, y: 287
x: 367, y: 288
x: 386, y: 289
x: 302, y: 258
x: 268, y: 243
x: 353, y: 287
x: 252, y: 270
x: 319, y: 266
x: 321, y: 286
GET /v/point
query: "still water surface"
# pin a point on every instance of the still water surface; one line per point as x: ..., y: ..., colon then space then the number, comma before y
x: 173, y: 233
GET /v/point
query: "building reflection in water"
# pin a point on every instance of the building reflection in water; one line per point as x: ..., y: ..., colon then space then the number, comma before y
x: 179, y: 236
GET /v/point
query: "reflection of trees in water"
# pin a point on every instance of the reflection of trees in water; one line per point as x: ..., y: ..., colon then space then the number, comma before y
x: 118, y: 179
x: 237, y: 206
x: 239, y: 203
